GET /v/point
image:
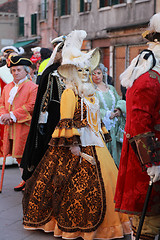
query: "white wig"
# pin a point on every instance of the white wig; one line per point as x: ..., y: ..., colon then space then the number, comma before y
x: 139, y: 65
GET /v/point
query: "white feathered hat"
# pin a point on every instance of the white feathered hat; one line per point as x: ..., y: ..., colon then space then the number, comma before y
x: 153, y: 32
x: 8, y: 49
x: 36, y: 49
x: 73, y: 56
x: 58, y: 39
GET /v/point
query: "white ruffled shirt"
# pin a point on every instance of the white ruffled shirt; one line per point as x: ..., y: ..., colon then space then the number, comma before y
x: 12, y: 95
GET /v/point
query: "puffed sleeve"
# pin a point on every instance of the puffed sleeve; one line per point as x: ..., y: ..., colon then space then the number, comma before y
x: 66, y: 134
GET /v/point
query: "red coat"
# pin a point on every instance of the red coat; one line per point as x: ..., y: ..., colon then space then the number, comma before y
x: 5, y: 77
x: 2, y: 84
x: 143, y: 114
x: 22, y: 108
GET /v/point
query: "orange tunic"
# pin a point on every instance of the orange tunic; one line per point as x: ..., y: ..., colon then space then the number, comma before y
x: 22, y: 108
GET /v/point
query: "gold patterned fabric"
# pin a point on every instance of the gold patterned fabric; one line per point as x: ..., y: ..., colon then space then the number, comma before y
x: 67, y: 194
x: 73, y: 192
x: 66, y: 133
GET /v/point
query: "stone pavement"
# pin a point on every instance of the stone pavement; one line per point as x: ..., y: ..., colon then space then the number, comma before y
x: 11, y: 227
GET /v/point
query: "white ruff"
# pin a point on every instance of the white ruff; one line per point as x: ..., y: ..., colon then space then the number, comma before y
x: 12, y: 94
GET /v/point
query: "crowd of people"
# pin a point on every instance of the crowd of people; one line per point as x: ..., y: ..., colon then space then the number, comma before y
x: 86, y: 155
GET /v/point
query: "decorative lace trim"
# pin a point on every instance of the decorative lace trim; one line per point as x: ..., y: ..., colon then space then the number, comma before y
x: 93, y: 109
x: 62, y: 141
x: 109, y: 123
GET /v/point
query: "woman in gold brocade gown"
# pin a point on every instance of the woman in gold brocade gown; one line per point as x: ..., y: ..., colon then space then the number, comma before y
x: 72, y: 189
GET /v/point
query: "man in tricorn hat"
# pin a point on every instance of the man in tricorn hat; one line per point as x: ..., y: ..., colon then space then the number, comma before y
x: 140, y: 157
x: 5, y: 78
x: 16, y: 108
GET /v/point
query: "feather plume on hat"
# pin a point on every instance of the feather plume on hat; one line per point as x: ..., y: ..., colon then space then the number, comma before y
x: 72, y: 54
x: 9, y: 49
x: 153, y: 32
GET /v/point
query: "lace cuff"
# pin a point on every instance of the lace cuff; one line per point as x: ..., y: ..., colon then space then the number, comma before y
x: 65, y: 134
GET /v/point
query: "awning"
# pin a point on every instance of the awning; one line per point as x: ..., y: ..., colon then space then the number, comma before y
x: 24, y: 43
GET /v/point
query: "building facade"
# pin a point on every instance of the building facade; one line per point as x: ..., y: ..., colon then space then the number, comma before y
x: 35, y: 23
x: 115, y: 26
x: 8, y: 22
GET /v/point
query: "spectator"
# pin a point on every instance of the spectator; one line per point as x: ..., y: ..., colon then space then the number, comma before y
x: 45, y: 56
x: 33, y: 73
x: 36, y: 54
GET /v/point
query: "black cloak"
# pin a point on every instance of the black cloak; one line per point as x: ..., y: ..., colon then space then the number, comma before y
x: 40, y: 134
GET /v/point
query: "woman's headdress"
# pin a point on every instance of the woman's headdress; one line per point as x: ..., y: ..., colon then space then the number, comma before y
x: 73, y: 57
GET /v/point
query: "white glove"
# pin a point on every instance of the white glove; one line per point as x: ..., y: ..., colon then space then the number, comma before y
x: 154, y: 172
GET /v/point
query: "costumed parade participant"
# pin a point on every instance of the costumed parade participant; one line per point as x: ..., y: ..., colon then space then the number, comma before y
x: 46, y: 113
x: 36, y: 55
x: 112, y: 111
x: 72, y: 189
x: 5, y: 78
x: 16, y: 108
x: 140, y: 158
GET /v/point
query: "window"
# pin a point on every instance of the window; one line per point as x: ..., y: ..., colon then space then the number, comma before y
x: 34, y: 24
x: 65, y: 7
x: 56, y: 8
x: 43, y: 10
x: 85, y: 6
x: 105, y: 3
x: 21, y: 26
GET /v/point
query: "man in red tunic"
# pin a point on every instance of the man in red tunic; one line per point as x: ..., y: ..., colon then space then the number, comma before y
x: 16, y: 108
x: 140, y: 157
x: 5, y: 78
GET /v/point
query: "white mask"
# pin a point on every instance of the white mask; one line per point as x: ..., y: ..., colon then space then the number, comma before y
x: 83, y: 74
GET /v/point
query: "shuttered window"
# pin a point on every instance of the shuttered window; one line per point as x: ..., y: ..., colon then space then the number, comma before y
x: 105, y: 3
x: 34, y: 24
x: 21, y: 26
x: 43, y: 10
x: 65, y: 7
x: 85, y: 6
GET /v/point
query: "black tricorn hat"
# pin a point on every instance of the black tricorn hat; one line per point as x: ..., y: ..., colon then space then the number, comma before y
x: 152, y: 36
x: 17, y: 61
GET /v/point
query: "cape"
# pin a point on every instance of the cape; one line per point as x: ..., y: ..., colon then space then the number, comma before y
x: 37, y: 141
